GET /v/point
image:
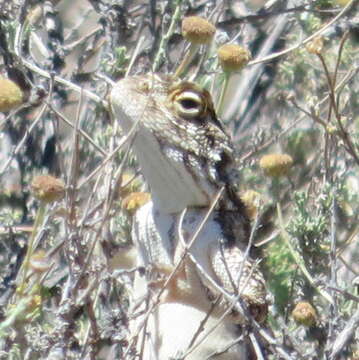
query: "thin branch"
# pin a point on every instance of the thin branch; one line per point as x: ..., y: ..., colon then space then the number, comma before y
x: 308, y: 39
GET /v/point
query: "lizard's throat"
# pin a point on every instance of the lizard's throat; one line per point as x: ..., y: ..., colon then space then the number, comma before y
x: 175, y: 182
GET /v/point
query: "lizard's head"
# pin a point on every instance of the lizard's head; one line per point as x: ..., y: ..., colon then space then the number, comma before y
x: 180, y: 144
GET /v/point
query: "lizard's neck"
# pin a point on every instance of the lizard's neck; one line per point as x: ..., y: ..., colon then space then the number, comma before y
x: 184, y: 153
x: 175, y: 178
x: 180, y: 180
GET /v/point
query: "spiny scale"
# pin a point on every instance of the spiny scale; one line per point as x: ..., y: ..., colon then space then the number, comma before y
x: 186, y: 158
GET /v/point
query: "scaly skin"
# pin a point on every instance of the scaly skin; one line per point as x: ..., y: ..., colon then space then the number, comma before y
x: 186, y: 158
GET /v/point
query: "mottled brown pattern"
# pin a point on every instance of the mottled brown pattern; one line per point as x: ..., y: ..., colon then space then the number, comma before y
x: 186, y: 157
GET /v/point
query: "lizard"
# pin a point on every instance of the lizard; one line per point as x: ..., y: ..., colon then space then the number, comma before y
x: 201, y: 280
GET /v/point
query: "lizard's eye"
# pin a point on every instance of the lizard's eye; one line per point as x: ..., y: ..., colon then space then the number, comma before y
x: 189, y: 104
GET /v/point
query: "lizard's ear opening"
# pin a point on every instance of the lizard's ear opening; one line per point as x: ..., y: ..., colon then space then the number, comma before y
x: 189, y: 104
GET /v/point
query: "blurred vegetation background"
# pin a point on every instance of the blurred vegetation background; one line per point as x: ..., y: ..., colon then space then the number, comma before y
x: 65, y: 244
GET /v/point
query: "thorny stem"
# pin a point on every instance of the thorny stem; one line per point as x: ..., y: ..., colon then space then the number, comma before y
x: 24, y: 138
x: 274, y: 139
x: 30, y: 248
x: 333, y: 103
x: 236, y: 299
x: 343, y: 337
x: 331, y: 85
x: 341, y: 47
x: 346, y: 294
x: 309, y: 38
x: 349, y: 147
x: 17, y: 48
x: 92, y: 324
x: 203, y: 322
x: 161, y: 51
x: 219, y: 107
x: 83, y: 133
x: 134, y: 55
x: 186, y: 60
x: 333, y: 269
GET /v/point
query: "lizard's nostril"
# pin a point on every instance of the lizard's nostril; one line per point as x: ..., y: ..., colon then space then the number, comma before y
x: 144, y: 87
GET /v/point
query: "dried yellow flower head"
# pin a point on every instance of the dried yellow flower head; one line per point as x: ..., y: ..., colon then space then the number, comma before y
x: 332, y: 130
x: 39, y: 262
x: 343, y: 3
x: 233, y: 57
x: 197, y: 30
x: 129, y: 184
x: 10, y: 95
x: 251, y: 200
x: 304, y: 314
x: 276, y: 165
x: 48, y: 188
x: 135, y: 200
x: 315, y: 46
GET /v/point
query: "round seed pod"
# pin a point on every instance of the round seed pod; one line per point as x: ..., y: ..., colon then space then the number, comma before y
x: 197, y: 30
x: 315, y: 46
x: 10, y: 95
x: 233, y: 57
x: 251, y: 200
x: 276, y: 165
x: 48, y: 188
x: 304, y: 314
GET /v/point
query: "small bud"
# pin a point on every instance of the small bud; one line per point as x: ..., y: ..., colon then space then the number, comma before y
x: 33, y: 305
x: 304, y: 314
x: 48, y: 188
x: 135, y: 200
x: 315, y: 46
x: 39, y: 263
x: 251, y: 200
x: 332, y: 130
x: 197, y: 30
x: 233, y: 57
x: 10, y: 95
x: 276, y: 165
